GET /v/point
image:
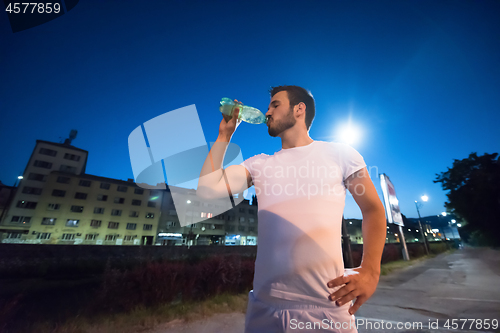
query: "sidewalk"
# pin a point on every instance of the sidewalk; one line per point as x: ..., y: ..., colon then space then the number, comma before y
x: 461, y: 285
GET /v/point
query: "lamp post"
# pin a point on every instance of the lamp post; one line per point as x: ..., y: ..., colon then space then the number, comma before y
x: 17, y: 180
x: 11, y: 194
x: 444, y: 234
x: 451, y: 226
x: 426, y: 245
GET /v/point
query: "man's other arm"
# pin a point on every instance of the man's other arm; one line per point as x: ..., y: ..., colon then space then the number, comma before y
x: 361, y: 282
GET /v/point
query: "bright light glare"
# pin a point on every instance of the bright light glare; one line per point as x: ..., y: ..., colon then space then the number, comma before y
x: 459, y: 225
x: 349, y: 134
x: 443, y: 213
x: 425, y: 198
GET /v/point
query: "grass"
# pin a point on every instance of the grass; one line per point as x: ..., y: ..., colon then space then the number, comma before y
x: 142, y: 319
x: 390, y: 267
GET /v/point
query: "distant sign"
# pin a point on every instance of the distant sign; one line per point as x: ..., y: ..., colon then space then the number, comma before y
x: 391, y: 201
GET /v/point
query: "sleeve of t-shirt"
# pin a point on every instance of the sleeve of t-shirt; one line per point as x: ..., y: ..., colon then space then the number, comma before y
x: 249, y: 163
x: 350, y: 160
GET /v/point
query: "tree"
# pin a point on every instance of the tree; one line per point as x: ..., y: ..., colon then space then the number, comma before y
x: 474, y: 193
x: 254, y: 200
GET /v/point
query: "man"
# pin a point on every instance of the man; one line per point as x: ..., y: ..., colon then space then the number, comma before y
x: 300, y: 281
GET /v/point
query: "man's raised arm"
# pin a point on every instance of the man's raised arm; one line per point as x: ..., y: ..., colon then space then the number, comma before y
x: 214, y: 181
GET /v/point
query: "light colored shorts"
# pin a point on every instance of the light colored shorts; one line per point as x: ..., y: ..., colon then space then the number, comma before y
x: 264, y: 318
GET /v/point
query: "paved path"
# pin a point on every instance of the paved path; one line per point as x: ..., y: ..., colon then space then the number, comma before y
x: 461, y: 285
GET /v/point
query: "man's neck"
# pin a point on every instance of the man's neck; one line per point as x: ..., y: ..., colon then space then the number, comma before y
x: 295, y: 137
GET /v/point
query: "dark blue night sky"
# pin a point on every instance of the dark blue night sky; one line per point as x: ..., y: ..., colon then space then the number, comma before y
x: 421, y: 79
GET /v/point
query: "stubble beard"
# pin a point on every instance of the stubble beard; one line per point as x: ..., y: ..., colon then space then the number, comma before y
x: 276, y: 128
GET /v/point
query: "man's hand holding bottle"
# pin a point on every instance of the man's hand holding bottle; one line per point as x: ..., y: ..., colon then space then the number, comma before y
x: 229, y: 124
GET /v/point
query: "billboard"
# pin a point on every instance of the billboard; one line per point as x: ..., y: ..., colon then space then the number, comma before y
x: 391, y: 201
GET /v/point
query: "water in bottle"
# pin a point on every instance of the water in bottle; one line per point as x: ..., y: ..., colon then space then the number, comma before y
x: 247, y: 113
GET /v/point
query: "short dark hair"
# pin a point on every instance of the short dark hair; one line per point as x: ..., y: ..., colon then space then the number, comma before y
x: 296, y: 95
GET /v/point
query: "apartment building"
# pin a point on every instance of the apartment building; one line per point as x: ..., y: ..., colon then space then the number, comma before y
x: 237, y: 226
x: 56, y: 202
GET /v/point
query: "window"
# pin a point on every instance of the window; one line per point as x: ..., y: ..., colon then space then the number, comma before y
x: 105, y: 186
x: 116, y: 212
x: 242, y: 219
x: 20, y: 219
x: 52, y: 206
x: 48, y: 152
x: 14, y: 235
x: 102, y: 197
x: 68, y: 236
x: 148, y: 227
x: 131, y: 226
x: 251, y: 220
x: 32, y: 190
x: 63, y: 180
x: 37, y: 177
x: 122, y: 188
x: 110, y: 238
x: 128, y: 238
x: 139, y: 191
x: 72, y: 223
x: 113, y: 225
x: 136, y: 202
x: 77, y: 209
x: 67, y: 169
x: 90, y: 237
x: 172, y: 212
x: 230, y: 218
x: 151, y: 204
x: 98, y: 210
x: 119, y: 200
x: 251, y: 212
x: 79, y: 195
x: 85, y: 183
x: 71, y: 157
x: 133, y: 214
x: 251, y: 228
x: 150, y: 215
x: 44, y: 235
x: 241, y: 228
x: 95, y: 223
x: 42, y: 164
x: 170, y: 224
x: 196, y: 203
x: 242, y: 210
x: 49, y: 221
x: 230, y: 228
x: 26, y: 204
x: 194, y: 226
x: 58, y: 193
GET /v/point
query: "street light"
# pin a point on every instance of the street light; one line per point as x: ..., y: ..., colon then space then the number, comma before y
x: 426, y: 245
x: 18, y: 179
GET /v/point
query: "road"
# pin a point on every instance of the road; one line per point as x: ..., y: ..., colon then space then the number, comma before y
x: 420, y: 298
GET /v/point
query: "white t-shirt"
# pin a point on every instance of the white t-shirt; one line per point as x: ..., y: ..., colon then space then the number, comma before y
x: 301, y: 195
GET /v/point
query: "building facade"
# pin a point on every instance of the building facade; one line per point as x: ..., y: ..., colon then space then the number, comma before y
x: 56, y: 202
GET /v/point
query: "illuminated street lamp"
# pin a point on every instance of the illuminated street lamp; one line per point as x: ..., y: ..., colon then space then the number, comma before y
x: 426, y: 245
x: 17, y: 180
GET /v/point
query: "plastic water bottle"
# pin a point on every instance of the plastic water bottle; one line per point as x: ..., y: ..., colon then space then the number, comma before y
x: 247, y: 113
